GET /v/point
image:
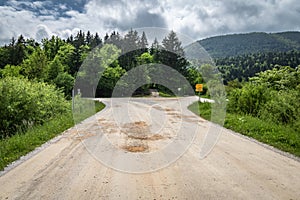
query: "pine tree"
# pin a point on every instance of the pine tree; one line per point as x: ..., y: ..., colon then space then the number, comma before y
x: 88, y: 38
x: 96, y: 41
x: 130, y: 50
x: 143, y: 43
x: 155, y: 50
x: 172, y: 53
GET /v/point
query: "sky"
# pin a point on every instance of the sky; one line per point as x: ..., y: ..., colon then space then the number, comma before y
x: 197, y: 19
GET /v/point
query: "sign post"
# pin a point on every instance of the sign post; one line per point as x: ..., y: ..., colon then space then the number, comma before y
x: 199, y: 88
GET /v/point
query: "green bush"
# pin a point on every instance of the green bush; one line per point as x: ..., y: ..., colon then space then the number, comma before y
x: 284, y: 107
x: 25, y: 103
x: 248, y: 100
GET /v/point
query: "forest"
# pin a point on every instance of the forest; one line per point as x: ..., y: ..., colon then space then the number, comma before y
x: 37, y: 78
x: 251, y: 43
x: 243, y: 67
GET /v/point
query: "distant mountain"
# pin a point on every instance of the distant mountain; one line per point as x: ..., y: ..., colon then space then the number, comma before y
x: 240, y: 44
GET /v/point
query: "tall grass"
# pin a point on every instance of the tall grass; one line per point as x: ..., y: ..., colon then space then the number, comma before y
x: 12, y: 148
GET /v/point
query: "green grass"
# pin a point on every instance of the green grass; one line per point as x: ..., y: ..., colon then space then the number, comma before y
x: 21, y: 143
x: 80, y: 113
x: 163, y: 94
x: 283, y: 137
x: 201, y: 109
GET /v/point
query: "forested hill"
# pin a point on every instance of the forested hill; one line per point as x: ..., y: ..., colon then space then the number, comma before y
x: 257, y: 42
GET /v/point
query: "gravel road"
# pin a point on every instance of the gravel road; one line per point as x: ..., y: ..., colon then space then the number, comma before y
x: 149, y: 148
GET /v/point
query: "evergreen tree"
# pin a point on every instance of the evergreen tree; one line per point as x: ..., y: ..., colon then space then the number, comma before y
x: 143, y: 43
x: 88, y: 38
x: 96, y: 41
x: 172, y: 53
x: 155, y: 50
x: 79, y: 39
x: 115, y: 39
x: 52, y: 46
x: 171, y: 43
x: 130, y: 50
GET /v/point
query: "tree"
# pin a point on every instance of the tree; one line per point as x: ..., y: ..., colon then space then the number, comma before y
x: 11, y: 70
x: 130, y: 50
x: 172, y: 53
x: 108, y: 80
x: 96, y: 41
x: 143, y: 43
x: 79, y: 39
x: 145, y: 58
x: 65, y: 82
x: 88, y: 38
x: 19, y: 51
x: 115, y: 39
x: 194, y: 76
x: 52, y: 46
x: 65, y: 55
x: 171, y: 43
x: 131, y: 41
x: 155, y: 50
x: 4, y: 56
x: 36, y: 66
x: 55, y: 68
x: 95, y: 64
x: 279, y: 78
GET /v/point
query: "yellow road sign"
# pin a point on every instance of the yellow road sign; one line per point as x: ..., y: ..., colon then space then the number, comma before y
x: 199, y: 87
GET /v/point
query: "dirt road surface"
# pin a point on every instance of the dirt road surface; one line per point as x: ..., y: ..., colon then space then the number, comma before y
x: 127, y: 152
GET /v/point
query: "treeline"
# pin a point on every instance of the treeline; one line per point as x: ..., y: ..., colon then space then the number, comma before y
x: 245, y: 66
x: 57, y: 61
x: 251, y: 43
x: 49, y: 68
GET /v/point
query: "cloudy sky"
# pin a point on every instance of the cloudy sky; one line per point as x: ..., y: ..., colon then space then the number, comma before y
x: 196, y: 18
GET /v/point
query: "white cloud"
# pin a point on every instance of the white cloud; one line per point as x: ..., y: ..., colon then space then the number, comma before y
x: 197, y: 19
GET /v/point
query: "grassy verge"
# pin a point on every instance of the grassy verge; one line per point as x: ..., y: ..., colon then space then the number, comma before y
x: 20, y: 144
x: 285, y: 138
x: 163, y: 94
x: 80, y: 113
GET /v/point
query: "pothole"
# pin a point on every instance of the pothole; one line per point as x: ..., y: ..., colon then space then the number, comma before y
x: 140, y: 130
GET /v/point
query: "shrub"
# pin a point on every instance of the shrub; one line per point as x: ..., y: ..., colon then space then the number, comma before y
x: 249, y: 99
x: 284, y: 107
x: 25, y: 103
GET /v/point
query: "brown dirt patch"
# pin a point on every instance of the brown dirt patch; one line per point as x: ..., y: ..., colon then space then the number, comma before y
x: 140, y: 124
x: 155, y: 137
x: 140, y: 130
x: 145, y: 137
x: 135, y: 149
x: 169, y: 109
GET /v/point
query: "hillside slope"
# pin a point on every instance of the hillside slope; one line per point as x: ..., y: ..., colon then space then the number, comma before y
x: 239, y: 44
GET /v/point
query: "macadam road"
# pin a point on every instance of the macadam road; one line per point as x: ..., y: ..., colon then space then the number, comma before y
x: 127, y: 152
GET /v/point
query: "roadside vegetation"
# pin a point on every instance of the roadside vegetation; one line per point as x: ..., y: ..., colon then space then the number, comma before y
x: 266, y: 108
x: 37, y: 78
x: 24, y: 141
